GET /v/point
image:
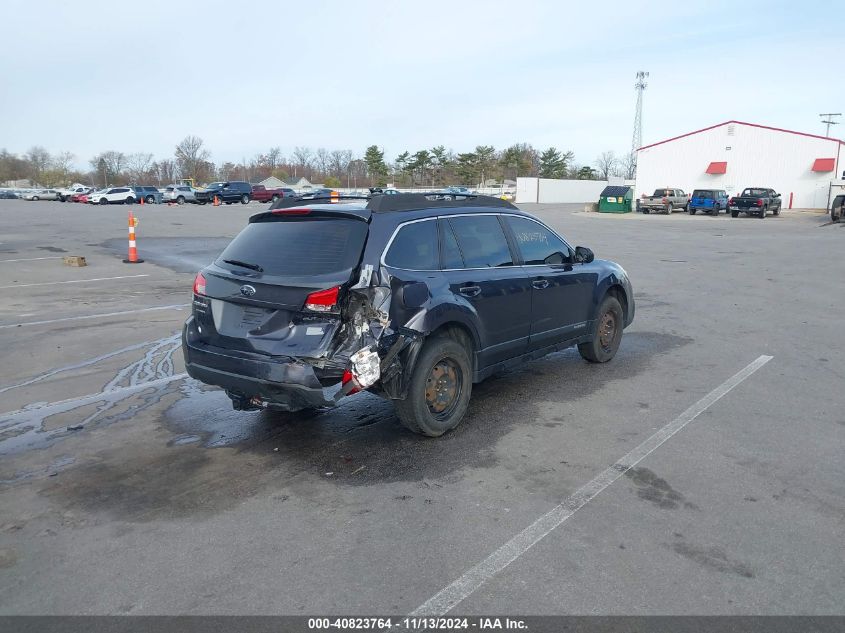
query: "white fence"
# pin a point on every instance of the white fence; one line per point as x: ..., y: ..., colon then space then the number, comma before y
x: 552, y: 190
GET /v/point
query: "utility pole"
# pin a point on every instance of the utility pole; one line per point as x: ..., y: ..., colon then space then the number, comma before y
x: 637, y: 140
x: 830, y: 122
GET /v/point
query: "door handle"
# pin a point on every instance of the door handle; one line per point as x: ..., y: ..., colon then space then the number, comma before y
x: 539, y: 284
x: 470, y: 291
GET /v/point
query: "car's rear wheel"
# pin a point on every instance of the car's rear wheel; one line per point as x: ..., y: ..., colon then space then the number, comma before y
x: 669, y: 209
x: 734, y: 214
x: 439, y: 389
x: 245, y: 199
x: 275, y: 198
x: 180, y: 200
x: 763, y: 212
x: 129, y: 200
x: 692, y: 211
x: 103, y: 201
x: 35, y: 198
x: 646, y: 211
x: 607, y: 332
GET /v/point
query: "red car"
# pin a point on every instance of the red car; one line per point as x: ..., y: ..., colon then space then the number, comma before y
x: 79, y: 197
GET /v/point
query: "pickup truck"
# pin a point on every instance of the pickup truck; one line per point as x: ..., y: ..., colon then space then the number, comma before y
x: 666, y: 200
x: 260, y: 193
x: 76, y: 188
x: 836, y: 208
x: 757, y: 201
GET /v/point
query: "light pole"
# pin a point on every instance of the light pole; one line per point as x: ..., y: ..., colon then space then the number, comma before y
x: 830, y: 122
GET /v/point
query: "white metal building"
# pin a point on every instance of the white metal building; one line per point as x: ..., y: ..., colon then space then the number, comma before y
x: 803, y: 168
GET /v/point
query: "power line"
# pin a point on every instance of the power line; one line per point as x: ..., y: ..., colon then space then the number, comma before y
x: 830, y: 122
x: 637, y: 140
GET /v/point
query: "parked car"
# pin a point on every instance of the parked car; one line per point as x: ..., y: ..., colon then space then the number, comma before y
x: 708, y: 200
x: 42, y: 194
x: 413, y: 297
x: 836, y: 208
x: 228, y: 192
x: 150, y: 195
x: 318, y: 193
x: 180, y: 194
x: 759, y: 201
x: 113, y: 195
x: 66, y: 195
x: 387, y: 191
x: 666, y: 200
x: 8, y: 195
x: 464, y: 191
x: 80, y: 197
x: 260, y: 193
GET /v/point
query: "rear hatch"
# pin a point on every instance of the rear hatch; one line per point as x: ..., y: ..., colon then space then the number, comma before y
x: 257, y: 289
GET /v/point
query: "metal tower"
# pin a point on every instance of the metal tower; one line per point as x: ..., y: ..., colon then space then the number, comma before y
x: 830, y: 121
x: 637, y: 140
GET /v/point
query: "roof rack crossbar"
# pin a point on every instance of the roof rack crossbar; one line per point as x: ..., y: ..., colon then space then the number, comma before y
x: 433, y: 200
x: 286, y: 203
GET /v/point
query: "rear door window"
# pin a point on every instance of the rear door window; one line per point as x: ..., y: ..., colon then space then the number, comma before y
x: 299, y: 247
x: 482, y: 241
x: 415, y: 247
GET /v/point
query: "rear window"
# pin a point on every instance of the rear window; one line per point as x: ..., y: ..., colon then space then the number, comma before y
x: 300, y: 247
x: 706, y: 195
x: 755, y: 192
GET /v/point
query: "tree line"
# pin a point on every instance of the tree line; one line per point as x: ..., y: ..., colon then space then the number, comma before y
x: 431, y: 167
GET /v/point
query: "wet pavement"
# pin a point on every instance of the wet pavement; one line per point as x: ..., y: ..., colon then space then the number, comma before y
x: 126, y: 487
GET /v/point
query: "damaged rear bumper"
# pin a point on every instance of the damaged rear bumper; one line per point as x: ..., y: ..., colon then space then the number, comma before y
x: 282, y: 383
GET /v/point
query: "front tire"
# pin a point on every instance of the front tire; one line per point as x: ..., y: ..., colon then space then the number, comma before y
x: 692, y: 211
x: 150, y: 200
x: 103, y: 201
x: 607, y: 332
x: 180, y: 200
x: 245, y: 199
x: 439, y: 389
x: 776, y: 211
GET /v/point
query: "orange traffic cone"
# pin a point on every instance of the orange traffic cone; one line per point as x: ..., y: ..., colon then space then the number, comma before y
x: 133, y: 250
x: 216, y: 201
x: 142, y: 201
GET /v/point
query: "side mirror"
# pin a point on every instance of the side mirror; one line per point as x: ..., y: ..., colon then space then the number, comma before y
x: 777, y: 195
x: 584, y: 255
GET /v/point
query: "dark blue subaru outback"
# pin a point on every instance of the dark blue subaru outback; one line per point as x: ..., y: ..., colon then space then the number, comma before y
x: 412, y: 297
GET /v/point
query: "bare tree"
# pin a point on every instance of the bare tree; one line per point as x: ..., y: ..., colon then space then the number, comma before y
x: 166, y: 171
x: 63, y: 162
x: 302, y: 157
x: 322, y: 160
x: 38, y: 159
x: 274, y: 158
x: 339, y: 161
x: 192, y: 157
x: 607, y: 164
x: 138, y: 166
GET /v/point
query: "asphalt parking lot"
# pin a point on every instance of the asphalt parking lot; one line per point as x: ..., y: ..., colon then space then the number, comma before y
x: 126, y: 488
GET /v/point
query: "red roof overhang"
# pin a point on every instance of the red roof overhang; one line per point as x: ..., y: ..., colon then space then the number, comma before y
x: 824, y: 164
x: 717, y: 168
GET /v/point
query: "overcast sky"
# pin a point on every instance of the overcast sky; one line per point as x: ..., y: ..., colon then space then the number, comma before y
x: 89, y: 76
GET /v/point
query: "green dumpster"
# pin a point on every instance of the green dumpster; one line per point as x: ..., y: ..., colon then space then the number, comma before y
x: 616, y: 199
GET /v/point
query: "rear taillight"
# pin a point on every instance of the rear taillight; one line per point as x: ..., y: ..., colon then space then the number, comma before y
x: 759, y: 202
x: 199, y: 284
x: 665, y: 200
x: 349, y: 378
x: 322, y: 300
x: 730, y: 200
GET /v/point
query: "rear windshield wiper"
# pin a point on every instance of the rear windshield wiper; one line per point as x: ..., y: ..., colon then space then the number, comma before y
x: 236, y: 262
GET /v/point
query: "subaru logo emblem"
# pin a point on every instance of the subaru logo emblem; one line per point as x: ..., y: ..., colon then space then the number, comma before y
x: 247, y: 291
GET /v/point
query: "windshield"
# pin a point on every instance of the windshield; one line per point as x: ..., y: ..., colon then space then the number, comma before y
x: 299, y: 247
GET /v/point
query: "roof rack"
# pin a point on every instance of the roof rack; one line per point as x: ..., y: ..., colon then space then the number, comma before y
x: 286, y: 203
x: 434, y: 200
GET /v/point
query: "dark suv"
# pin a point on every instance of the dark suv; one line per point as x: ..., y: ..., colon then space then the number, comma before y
x: 228, y: 192
x: 413, y: 297
x: 150, y: 195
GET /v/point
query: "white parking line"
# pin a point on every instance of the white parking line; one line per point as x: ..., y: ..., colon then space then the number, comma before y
x: 72, y: 281
x: 102, y: 315
x: 28, y: 259
x: 447, y: 598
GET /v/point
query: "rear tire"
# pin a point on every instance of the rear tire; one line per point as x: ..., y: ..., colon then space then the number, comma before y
x: 692, y: 211
x: 180, y: 200
x: 129, y: 200
x: 669, y: 209
x: 439, y: 389
x: 275, y: 199
x: 734, y: 214
x: 35, y: 198
x: 607, y: 332
x: 646, y: 211
x: 245, y: 199
x: 763, y: 212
